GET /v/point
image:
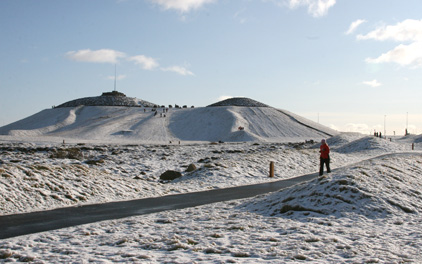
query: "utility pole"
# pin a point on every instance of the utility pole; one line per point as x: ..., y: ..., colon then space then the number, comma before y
x: 385, y: 134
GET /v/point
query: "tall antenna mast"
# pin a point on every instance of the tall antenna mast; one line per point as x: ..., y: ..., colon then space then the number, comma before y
x: 115, y: 76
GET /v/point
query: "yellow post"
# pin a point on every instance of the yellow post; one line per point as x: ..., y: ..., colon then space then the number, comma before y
x: 272, y: 169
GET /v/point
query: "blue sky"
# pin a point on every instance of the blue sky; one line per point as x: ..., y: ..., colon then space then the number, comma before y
x: 350, y: 65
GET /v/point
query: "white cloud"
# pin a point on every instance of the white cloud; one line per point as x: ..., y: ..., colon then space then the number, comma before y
x: 182, y: 5
x: 373, y: 83
x: 147, y: 63
x: 100, y: 56
x: 355, y: 25
x: 408, y: 30
x: 405, y: 55
x: 316, y: 8
x: 178, y: 69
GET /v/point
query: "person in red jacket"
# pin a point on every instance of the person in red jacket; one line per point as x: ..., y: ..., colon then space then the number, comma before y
x: 324, y: 149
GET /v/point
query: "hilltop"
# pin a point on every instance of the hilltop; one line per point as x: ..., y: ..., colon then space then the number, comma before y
x: 239, y: 101
x: 113, y: 98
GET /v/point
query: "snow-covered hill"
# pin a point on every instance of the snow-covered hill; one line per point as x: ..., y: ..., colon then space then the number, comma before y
x: 117, y: 124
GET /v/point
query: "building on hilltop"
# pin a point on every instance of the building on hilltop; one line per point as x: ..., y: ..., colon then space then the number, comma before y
x: 113, y: 98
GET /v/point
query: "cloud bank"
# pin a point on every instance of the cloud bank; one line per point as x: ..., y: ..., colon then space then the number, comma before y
x: 409, y: 52
x: 112, y: 56
x: 99, y: 56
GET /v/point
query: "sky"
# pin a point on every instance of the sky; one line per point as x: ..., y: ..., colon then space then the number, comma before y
x: 349, y: 65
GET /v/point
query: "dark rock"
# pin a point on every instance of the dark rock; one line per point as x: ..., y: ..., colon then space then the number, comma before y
x: 191, y: 167
x: 170, y: 175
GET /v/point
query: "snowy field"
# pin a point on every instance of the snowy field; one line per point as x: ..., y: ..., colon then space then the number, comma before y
x: 368, y: 210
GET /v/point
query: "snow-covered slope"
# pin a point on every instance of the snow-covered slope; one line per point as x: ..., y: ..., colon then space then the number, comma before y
x: 386, y: 185
x: 137, y: 124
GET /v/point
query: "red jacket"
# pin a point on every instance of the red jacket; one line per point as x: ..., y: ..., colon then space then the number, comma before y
x: 325, y: 151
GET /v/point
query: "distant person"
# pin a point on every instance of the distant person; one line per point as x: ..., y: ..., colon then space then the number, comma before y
x: 324, y: 149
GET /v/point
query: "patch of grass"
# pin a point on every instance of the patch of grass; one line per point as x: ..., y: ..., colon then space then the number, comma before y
x: 6, y: 175
x: 4, y: 254
x: 288, y: 199
x: 177, y: 246
x: 297, y: 208
x: 212, y: 251
x: 192, y: 242
x: 312, y: 240
x: 237, y: 228
x: 404, y: 208
x: 94, y: 162
x: 69, y: 153
x: 241, y: 254
x: 364, y: 173
x: 215, y: 235
x: 121, y: 241
x: 343, y: 182
x: 41, y: 167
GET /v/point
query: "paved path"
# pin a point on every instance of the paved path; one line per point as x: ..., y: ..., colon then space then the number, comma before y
x: 23, y: 224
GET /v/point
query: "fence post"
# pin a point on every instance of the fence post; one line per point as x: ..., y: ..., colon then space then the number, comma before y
x: 271, y: 169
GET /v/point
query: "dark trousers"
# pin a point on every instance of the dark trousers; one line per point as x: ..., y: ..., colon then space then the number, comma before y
x: 321, y: 165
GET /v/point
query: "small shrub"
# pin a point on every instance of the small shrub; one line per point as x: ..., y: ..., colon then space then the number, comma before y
x: 212, y: 251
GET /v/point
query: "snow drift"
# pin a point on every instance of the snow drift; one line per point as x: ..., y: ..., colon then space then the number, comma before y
x: 382, y: 187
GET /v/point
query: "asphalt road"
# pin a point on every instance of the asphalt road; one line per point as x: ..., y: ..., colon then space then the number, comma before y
x: 29, y: 223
